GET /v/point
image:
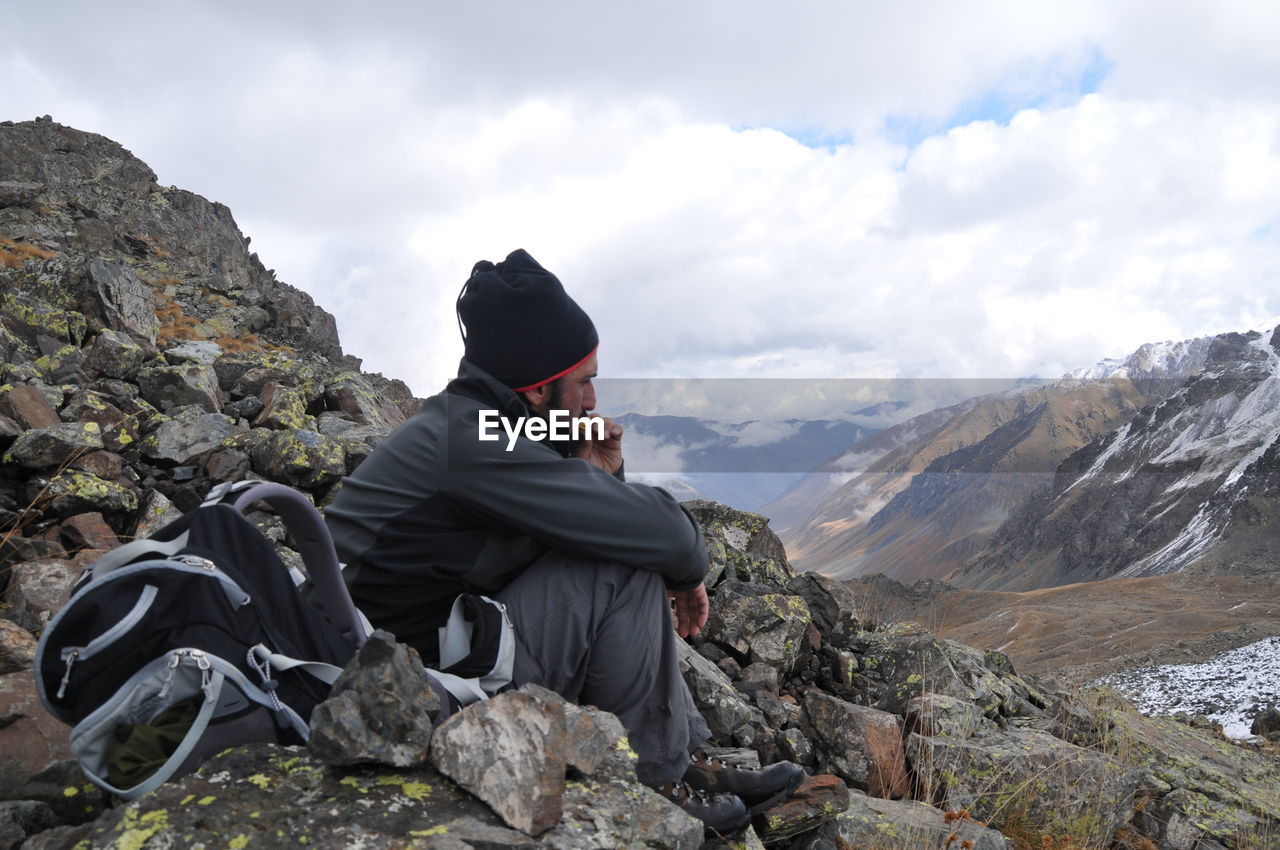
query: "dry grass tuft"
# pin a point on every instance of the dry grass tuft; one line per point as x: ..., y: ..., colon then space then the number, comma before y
x: 13, y: 254
x: 174, y: 323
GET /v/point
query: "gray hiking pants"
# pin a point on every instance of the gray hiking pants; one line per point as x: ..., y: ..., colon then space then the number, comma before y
x: 601, y: 634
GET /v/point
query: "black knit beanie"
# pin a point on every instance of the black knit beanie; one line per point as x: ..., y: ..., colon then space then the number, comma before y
x: 521, y: 326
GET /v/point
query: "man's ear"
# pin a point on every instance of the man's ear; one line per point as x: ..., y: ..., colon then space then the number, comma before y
x: 538, y: 397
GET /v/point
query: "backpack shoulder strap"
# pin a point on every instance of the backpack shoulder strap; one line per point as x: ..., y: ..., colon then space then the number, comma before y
x: 314, y: 544
x: 134, y: 551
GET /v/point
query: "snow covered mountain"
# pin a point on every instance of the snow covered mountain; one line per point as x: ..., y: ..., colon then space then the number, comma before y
x: 1193, y: 479
x: 1152, y: 360
x: 921, y: 499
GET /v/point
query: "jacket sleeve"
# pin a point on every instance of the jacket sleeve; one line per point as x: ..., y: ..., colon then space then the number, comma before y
x: 572, y: 506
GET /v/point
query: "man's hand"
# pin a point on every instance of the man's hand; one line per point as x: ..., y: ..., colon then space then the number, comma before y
x: 692, y: 608
x: 606, y: 453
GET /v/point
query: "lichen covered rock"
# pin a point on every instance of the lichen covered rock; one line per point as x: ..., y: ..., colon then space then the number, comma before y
x: 380, y: 710
x: 509, y: 751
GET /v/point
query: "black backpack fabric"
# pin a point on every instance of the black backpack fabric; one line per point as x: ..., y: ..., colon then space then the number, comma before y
x: 174, y: 648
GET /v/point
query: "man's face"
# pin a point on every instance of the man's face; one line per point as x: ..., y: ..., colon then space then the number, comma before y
x: 574, y: 392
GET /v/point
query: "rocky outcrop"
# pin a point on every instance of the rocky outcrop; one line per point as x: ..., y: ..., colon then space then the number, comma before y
x: 148, y: 354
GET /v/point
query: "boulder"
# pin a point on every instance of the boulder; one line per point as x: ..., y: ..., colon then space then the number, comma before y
x: 905, y: 661
x: 199, y: 351
x: 611, y: 814
x: 9, y: 431
x: 302, y: 458
x: 74, y: 492
x: 794, y: 746
x: 752, y: 551
x: 510, y: 751
x: 21, y: 818
x: 227, y: 465
x: 156, y: 512
x: 103, y: 464
x: 171, y: 387
x: 246, y: 408
x: 597, y: 744
x: 283, y: 407
x: 352, y: 394
x: 54, y: 446
x: 768, y: 628
x: 1020, y: 776
x: 724, y: 709
x: 14, y: 549
x: 379, y: 711
x: 115, y: 355
x: 935, y: 715
x: 89, y: 531
x: 28, y: 407
x: 188, y: 436
x: 30, y: 737
x: 819, y: 799
x: 872, y: 822
x: 859, y: 744
x: 129, y: 304
x: 758, y: 677
x: 37, y: 589
x: 1266, y: 722
x: 833, y: 606
x: 17, y: 648
x: 62, y: 364
x: 29, y: 315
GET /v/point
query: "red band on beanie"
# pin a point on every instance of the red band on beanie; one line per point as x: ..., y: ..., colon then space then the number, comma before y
x: 557, y: 375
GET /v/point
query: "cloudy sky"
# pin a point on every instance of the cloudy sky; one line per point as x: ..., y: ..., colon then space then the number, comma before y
x: 731, y: 189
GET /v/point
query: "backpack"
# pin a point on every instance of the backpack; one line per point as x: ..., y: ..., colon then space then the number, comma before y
x: 173, y: 648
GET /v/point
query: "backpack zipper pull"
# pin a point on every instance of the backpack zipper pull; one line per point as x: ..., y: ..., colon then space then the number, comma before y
x: 170, y: 671
x: 196, y: 561
x: 71, y: 657
x: 206, y: 673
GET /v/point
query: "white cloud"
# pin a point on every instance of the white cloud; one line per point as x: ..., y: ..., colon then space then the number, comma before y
x: 750, y: 434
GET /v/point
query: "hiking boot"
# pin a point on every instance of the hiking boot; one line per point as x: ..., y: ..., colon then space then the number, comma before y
x: 719, y: 813
x: 753, y: 785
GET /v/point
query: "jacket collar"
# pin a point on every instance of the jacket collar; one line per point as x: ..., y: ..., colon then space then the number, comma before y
x: 478, y: 385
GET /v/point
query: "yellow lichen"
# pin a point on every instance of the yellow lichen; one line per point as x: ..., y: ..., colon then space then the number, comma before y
x: 352, y: 782
x: 135, y: 830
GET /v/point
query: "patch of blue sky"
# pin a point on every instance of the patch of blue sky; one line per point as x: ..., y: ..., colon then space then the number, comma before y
x: 1270, y: 230
x: 818, y: 138
x: 1045, y: 85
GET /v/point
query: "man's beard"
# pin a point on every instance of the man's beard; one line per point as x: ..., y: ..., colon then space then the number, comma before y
x: 566, y: 448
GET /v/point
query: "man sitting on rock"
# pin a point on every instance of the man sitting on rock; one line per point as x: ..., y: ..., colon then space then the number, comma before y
x: 584, y: 562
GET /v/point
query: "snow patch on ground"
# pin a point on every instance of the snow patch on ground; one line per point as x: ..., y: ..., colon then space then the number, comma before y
x: 1228, y: 688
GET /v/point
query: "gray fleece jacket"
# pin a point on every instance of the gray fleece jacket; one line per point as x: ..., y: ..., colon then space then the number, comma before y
x: 435, y: 511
